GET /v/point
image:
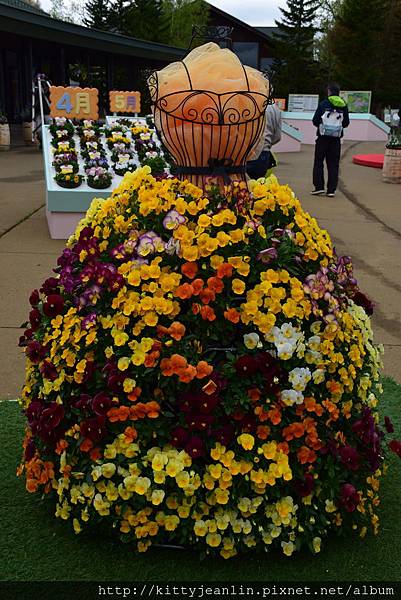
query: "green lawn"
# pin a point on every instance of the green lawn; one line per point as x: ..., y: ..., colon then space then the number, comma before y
x: 37, y: 546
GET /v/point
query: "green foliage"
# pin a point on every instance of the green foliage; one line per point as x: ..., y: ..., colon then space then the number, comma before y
x: 364, y: 39
x: 179, y: 16
x: 296, y: 68
x: 118, y: 14
x: 144, y: 20
x: 97, y: 14
x: 164, y: 21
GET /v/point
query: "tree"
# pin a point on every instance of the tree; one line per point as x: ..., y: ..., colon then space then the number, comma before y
x: 366, y: 56
x: 144, y: 20
x: 34, y: 3
x: 72, y: 11
x: 295, y: 67
x: 118, y: 14
x: 97, y: 14
x: 179, y: 16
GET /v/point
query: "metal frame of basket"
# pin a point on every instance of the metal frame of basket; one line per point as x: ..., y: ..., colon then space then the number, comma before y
x: 212, y: 142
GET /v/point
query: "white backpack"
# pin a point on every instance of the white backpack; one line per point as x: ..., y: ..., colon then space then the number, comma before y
x: 332, y: 123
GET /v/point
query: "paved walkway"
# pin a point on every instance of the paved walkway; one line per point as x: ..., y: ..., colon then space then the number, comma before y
x: 364, y: 220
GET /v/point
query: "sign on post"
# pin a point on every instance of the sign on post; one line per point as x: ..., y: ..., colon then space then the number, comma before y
x: 303, y: 102
x: 358, y: 101
x: 125, y: 102
x: 74, y: 102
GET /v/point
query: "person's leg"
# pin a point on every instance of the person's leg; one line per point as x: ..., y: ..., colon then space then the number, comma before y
x: 318, y: 173
x: 333, y: 164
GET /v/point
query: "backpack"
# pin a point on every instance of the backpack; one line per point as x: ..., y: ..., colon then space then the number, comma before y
x: 332, y: 123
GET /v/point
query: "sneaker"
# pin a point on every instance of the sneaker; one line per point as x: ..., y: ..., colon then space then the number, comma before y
x: 317, y: 192
x: 330, y: 194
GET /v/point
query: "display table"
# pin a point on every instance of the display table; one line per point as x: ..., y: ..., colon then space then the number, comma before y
x: 65, y: 207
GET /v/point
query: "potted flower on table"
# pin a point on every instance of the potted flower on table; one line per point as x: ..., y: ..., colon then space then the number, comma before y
x: 66, y: 177
x: 61, y: 124
x: 98, y: 178
x: 124, y: 163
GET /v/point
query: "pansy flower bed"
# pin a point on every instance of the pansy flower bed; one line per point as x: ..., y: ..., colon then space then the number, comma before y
x: 201, y: 371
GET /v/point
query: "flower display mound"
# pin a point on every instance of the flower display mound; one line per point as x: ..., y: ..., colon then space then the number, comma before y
x: 201, y: 372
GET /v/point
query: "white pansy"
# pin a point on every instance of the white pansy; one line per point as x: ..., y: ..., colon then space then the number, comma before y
x: 290, y: 397
x: 285, y: 351
x: 288, y: 330
x: 252, y: 341
x: 299, y: 378
x: 314, y: 342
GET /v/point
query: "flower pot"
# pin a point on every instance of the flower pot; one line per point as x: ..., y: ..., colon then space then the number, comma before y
x: 27, y: 133
x: 69, y: 185
x: 392, y: 165
x: 4, y: 136
x: 98, y: 185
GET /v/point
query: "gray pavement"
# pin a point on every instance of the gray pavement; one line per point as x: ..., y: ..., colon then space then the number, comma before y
x: 364, y: 220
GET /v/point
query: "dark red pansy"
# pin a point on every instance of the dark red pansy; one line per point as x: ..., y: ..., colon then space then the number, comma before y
x: 52, y: 416
x: 86, y: 234
x: 268, y: 366
x: 34, y: 298
x: 50, y: 286
x: 349, y: 457
x: 304, y: 487
x: 186, y: 401
x: 29, y: 451
x: 94, y: 429
x: 362, y: 300
x: 35, y: 351
x: 33, y: 411
x: 388, y: 425
x: 24, y: 339
x: 246, y: 366
x: 247, y: 423
x: 35, y: 319
x: 115, y: 383
x: 53, y: 306
x: 195, y: 447
x: 101, y: 403
x: 395, y: 446
x: 349, y: 497
x: 82, y: 402
x: 224, y: 434
x: 199, y: 422
x: 48, y: 370
x: 179, y: 436
x: 206, y: 403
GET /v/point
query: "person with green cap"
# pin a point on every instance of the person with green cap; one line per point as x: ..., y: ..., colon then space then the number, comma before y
x: 331, y: 118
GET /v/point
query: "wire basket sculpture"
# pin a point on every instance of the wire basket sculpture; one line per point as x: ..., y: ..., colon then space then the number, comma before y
x: 209, y: 134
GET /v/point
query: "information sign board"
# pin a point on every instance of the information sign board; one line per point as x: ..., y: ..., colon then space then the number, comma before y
x: 303, y: 102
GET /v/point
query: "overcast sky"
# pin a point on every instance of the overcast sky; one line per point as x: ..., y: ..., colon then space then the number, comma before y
x: 254, y: 12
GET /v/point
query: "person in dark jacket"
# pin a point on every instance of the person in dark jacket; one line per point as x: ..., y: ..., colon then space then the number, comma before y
x: 331, y: 118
